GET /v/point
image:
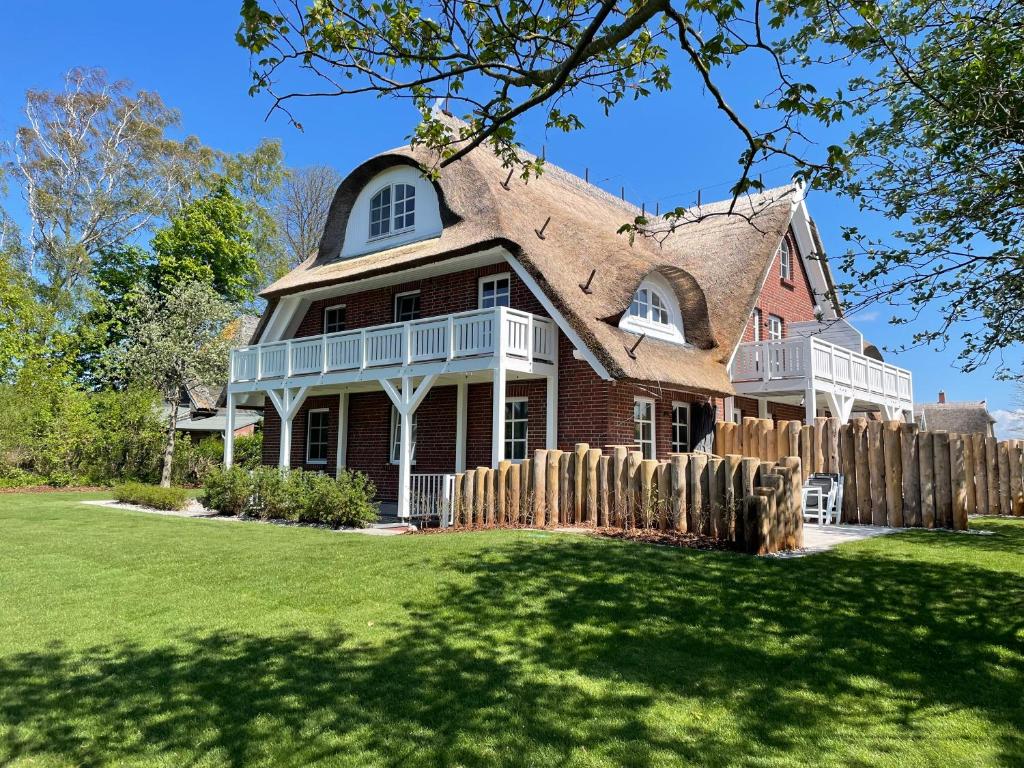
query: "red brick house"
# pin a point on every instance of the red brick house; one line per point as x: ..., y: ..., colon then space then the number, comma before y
x: 455, y: 323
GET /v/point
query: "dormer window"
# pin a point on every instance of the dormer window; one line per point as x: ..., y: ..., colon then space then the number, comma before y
x: 393, y: 210
x: 654, y: 311
x: 785, y: 261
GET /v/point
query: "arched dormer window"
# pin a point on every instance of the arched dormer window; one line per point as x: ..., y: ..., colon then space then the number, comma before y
x: 393, y: 210
x: 654, y: 311
x: 785, y: 260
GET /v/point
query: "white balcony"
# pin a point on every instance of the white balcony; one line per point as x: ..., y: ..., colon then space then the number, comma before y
x: 844, y: 377
x: 458, y: 342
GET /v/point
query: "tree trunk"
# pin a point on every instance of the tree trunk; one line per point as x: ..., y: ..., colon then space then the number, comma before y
x: 172, y: 422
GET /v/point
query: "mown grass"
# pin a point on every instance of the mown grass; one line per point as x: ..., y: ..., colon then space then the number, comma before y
x: 136, y: 639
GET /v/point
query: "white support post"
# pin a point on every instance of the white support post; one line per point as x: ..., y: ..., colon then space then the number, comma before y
x: 551, y: 431
x: 810, y: 405
x: 404, y: 450
x: 285, y: 455
x: 461, y: 403
x: 498, y: 415
x: 762, y: 408
x: 730, y: 408
x: 229, y: 431
x: 342, y: 432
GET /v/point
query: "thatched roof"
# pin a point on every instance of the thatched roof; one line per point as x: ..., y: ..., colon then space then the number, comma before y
x: 716, y: 266
x: 966, y: 418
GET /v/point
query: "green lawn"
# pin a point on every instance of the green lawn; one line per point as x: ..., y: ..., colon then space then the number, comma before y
x: 133, y: 639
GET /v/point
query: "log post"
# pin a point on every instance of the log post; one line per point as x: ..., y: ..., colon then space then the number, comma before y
x: 679, y: 472
x: 911, y: 464
x: 540, y: 493
x: 697, y: 485
x: 771, y: 488
x: 781, y: 439
x: 592, y: 462
x: 893, y: 456
x: 664, y: 494
x: 1016, y: 479
x: 553, y: 488
x: 992, y: 462
x: 849, y: 471
x: 633, y: 461
x: 943, y: 481
x: 579, y: 485
x: 720, y: 436
x: 733, y: 492
x: 566, y: 487
x: 958, y: 481
x: 793, y: 439
x: 832, y: 445
x: 756, y: 524
x: 1005, y: 497
x: 482, y: 481
x: 876, y: 470
x: 620, y: 471
x: 648, y: 497
x: 458, y: 499
x: 469, y: 508
x: 716, y: 498
x: 860, y: 447
x: 980, y: 474
x: 514, y: 485
x: 750, y: 477
x: 501, y: 492
x: 796, y: 512
x: 604, y: 490
x: 807, y: 450
x: 926, y: 453
x: 820, y: 443
x: 969, y: 488
x: 525, y: 510
x: 750, y: 444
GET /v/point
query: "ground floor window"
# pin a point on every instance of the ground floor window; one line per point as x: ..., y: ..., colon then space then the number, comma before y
x: 643, y: 425
x: 396, y: 436
x: 316, y: 436
x: 680, y: 427
x: 516, y: 424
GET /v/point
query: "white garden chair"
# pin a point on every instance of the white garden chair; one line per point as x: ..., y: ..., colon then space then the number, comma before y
x: 823, y: 498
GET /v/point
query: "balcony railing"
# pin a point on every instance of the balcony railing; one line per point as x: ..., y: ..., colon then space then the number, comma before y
x: 480, y: 333
x: 825, y: 363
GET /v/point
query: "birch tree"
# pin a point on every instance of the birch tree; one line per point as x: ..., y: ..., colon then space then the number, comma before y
x: 300, y: 208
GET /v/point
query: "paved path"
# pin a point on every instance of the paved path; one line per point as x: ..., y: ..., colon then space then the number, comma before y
x: 821, y: 538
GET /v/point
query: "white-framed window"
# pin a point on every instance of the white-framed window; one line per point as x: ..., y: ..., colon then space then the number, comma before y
x: 392, y: 210
x: 643, y: 426
x: 785, y: 260
x: 407, y: 306
x: 317, y: 421
x: 774, y: 327
x: 396, y: 436
x: 494, y: 291
x: 654, y: 311
x: 680, y: 427
x: 334, y: 318
x: 517, y: 422
x: 755, y: 318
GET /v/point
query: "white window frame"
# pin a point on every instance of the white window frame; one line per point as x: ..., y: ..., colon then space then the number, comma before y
x: 673, y: 330
x: 392, y: 230
x: 755, y: 317
x: 654, y: 435
x: 510, y: 434
x: 774, y: 321
x: 394, y: 304
x: 493, y: 279
x: 395, y: 443
x: 785, y: 260
x: 689, y: 415
x: 327, y: 430
x: 328, y: 309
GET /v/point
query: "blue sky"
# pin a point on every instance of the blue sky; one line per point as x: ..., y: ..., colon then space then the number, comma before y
x: 660, y: 149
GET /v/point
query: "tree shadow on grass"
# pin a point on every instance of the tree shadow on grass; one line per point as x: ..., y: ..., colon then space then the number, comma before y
x: 570, y: 651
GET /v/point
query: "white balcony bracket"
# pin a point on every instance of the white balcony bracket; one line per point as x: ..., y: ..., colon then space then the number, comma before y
x: 287, y: 402
x: 892, y: 412
x: 406, y: 402
x: 840, y: 406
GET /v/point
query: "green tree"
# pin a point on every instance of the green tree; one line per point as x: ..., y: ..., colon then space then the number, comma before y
x: 172, y: 342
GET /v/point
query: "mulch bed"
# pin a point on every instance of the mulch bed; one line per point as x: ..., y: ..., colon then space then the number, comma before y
x: 640, y: 535
x: 54, y: 489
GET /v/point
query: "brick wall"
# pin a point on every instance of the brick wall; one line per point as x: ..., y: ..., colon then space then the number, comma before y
x: 792, y: 300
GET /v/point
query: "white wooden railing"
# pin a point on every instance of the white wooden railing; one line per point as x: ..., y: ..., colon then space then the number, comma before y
x: 479, y: 333
x: 432, y: 495
x: 825, y: 363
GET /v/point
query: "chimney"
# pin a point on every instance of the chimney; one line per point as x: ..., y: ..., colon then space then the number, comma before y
x: 942, y: 396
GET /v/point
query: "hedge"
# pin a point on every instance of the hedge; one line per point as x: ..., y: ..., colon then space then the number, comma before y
x: 151, y: 496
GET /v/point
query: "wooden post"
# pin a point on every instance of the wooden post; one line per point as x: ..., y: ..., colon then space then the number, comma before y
x: 697, y: 485
x: 566, y: 487
x: 458, y: 499
x: 893, y: 456
x: 721, y: 436
x: 469, y: 508
x: 911, y: 466
x: 980, y: 474
x: 750, y: 445
x: 579, y: 485
x: 648, y: 497
x: 820, y: 446
x: 733, y: 493
x: 664, y: 494
x: 482, y: 480
x: 926, y: 454
x: 969, y: 466
x: 1005, y: 499
x: 781, y: 439
x: 860, y: 450
x: 716, y: 498
x: 831, y: 445
x: 604, y: 490
x: 793, y: 439
x: 876, y: 471
x: 807, y: 450
x: 849, y: 470
x: 525, y: 510
x: 958, y: 480
x: 633, y: 461
x: 679, y: 471
x: 750, y: 475
x: 943, y: 481
x: 771, y: 487
x: 540, y: 494
x: 621, y: 487
x: 1016, y: 479
x: 755, y: 524
x: 553, y: 489
x: 591, y: 462
x: 501, y: 492
x: 512, y: 508
x: 796, y: 512
x: 992, y: 465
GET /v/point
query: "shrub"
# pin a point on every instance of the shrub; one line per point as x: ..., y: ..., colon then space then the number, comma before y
x: 151, y: 496
x: 271, y: 497
x: 227, y: 491
x: 249, y: 450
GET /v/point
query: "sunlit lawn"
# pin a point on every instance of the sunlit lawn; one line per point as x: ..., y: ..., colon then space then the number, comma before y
x: 135, y: 639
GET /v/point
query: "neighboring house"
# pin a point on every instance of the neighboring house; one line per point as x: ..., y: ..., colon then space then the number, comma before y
x: 382, y: 352
x: 965, y: 418
x: 199, y: 411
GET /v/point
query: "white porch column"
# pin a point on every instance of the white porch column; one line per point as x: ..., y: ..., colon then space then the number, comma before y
x: 406, y: 402
x: 498, y: 415
x: 551, y: 432
x: 342, y: 432
x: 287, y: 403
x: 229, y: 431
x: 461, y: 403
x: 730, y: 408
x: 762, y: 408
x: 810, y: 405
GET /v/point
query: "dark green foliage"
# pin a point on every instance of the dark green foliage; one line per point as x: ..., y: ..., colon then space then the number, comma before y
x: 151, y: 496
x: 305, y: 497
x: 195, y: 457
x: 249, y: 450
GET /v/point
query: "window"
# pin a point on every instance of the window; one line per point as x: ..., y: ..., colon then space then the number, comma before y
x: 756, y: 318
x: 516, y: 424
x: 648, y: 305
x: 643, y: 425
x: 393, y: 210
x: 407, y: 306
x: 774, y: 327
x: 334, y: 319
x: 494, y: 291
x: 680, y: 427
x: 396, y: 436
x: 316, y: 436
x: 785, y: 260
x: 654, y: 311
